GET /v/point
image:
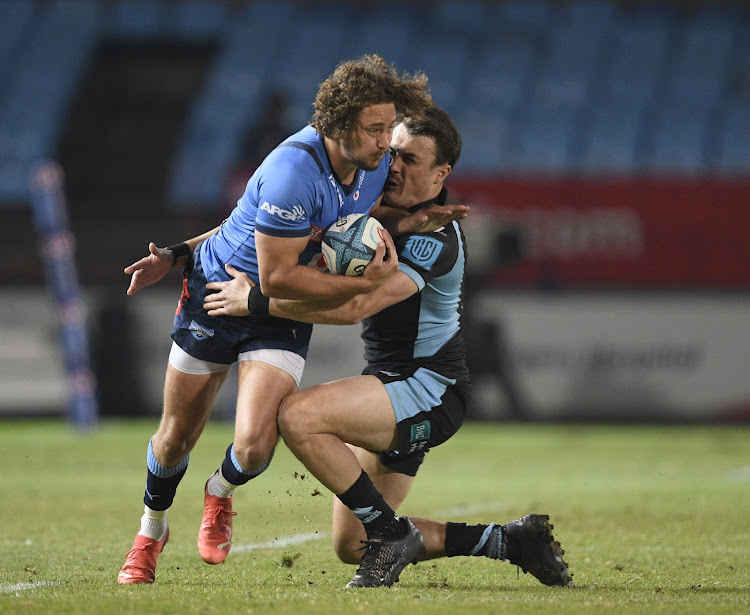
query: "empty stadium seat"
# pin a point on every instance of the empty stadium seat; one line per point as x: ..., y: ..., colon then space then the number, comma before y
x: 486, y: 141
x: 568, y: 68
x: 609, y: 137
x: 733, y: 141
x: 195, y: 19
x: 133, y: 19
x: 699, y: 67
x: 678, y: 138
x: 637, y: 56
x: 543, y: 140
x: 500, y: 75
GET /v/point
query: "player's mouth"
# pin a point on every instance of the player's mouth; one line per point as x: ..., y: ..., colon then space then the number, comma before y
x: 390, y: 184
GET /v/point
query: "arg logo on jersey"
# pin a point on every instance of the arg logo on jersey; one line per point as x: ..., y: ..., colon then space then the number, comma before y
x: 297, y: 212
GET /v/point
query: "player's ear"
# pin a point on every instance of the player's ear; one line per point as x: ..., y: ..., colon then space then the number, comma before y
x: 443, y: 172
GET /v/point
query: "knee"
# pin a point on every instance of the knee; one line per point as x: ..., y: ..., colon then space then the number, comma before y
x: 172, y: 443
x: 295, y: 419
x: 255, y: 449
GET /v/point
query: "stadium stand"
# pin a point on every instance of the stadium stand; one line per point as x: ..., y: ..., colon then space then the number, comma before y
x: 576, y: 87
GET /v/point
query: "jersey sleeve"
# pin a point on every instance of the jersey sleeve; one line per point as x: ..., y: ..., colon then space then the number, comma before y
x: 287, y: 194
x: 424, y: 257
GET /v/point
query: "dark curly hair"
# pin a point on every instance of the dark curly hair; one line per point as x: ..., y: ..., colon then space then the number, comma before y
x: 367, y: 81
x: 438, y: 126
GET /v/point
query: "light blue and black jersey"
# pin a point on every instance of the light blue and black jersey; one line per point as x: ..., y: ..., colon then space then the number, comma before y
x: 293, y: 193
x: 425, y: 329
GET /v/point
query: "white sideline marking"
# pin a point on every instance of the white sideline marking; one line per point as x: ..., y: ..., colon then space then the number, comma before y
x: 284, y: 541
x: 741, y: 475
x: 17, y: 587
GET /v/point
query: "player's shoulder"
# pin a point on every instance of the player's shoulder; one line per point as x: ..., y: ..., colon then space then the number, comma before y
x: 436, y: 251
x: 301, y: 154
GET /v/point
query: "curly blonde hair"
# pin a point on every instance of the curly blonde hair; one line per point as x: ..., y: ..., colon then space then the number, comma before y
x: 360, y: 83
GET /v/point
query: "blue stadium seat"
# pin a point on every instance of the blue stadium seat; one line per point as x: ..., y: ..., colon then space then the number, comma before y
x: 195, y: 19
x: 49, y: 64
x: 133, y: 19
x: 738, y: 86
x: 677, y: 140
x: 486, y: 141
x: 700, y: 65
x: 544, y: 140
x: 446, y: 63
x: 596, y: 15
x: 323, y: 32
x: 470, y: 18
x: 393, y: 40
x: 733, y: 142
x: 609, y: 138
x: 638, y: 52
x: 16, y: 17
x: 270, y: 13
x: 568, y: 68
x: 500, y: 74
x: 536, y: 17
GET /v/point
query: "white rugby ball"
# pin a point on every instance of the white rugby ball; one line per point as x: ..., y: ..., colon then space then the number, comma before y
x: 349, y: 244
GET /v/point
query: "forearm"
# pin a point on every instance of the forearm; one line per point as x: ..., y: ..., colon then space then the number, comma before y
x: 315, y: 312
x: 305, y: 283
x: 392, y: 219
x: 191, y: 244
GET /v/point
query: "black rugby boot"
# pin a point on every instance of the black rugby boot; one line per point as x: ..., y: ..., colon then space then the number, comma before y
x: 384, y: 559
x: 531, y: 546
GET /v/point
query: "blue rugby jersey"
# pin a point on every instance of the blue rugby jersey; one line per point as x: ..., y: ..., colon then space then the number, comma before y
x: 294, y: 193
x: 424, y: 329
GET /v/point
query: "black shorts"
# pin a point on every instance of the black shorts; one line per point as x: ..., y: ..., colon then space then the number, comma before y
x: 221, y: 339
x: 429, y: 409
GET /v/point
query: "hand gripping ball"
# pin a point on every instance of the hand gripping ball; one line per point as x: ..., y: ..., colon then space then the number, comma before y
x: 349, y: 244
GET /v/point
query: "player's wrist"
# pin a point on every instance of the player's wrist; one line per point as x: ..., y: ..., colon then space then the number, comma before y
x: 178, y: 251
x: 257, y: 302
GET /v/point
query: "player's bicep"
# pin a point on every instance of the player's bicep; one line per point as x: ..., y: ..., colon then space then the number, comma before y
x: 276, y: 257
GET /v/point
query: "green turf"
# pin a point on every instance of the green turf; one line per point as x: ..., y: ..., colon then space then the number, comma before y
x: 653, y: 519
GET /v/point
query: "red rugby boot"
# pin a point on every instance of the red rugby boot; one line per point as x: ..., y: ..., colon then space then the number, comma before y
x: 215, y: 535
x: 140, y: 562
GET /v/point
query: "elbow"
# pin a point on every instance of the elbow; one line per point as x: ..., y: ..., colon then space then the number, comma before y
x: 270, y: 286
x: 351, y: 316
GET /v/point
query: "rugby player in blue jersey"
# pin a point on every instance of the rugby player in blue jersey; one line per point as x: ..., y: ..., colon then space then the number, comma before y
x: 413, y: 394
x: 334, y: 167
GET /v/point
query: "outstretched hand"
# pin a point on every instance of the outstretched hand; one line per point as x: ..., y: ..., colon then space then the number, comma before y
x: 434, y: 217
x: 231, y: 298
x: 150, y: 269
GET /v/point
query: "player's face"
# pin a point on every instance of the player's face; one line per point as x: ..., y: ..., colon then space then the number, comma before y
x: 413, y: 177
x: 366, y: 145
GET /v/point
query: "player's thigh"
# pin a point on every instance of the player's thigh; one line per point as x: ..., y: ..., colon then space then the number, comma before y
x: 188, y: 399
x: 358, y: 410
x: 262, y: 386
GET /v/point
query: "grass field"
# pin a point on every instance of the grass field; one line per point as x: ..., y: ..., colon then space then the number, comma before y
x: 653, y: 519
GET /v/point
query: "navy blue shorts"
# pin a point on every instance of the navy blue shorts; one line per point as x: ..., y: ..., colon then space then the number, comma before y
x: 221, y: 339
x: 429, y: 409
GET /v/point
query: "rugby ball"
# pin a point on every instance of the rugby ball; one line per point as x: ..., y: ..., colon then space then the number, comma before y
x: 349, y: 244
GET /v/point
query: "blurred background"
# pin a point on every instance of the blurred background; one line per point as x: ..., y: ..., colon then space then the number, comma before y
x: 606, y: 158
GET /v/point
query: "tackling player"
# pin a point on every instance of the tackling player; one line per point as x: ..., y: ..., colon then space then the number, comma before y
x: 413, y: 394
